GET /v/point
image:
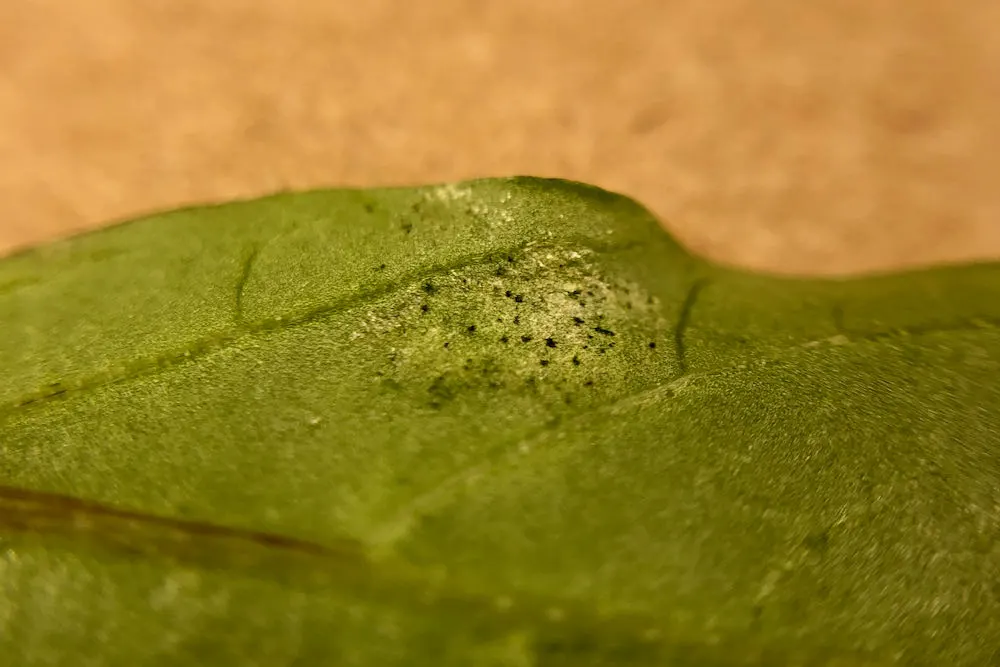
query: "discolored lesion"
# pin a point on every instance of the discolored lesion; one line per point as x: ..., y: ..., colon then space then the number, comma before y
x: 554, y: 323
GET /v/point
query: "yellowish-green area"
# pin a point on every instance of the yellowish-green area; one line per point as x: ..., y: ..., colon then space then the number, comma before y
x: 501, y: 422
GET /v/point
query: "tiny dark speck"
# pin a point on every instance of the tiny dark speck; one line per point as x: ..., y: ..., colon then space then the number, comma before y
x: 472, y: 328
x: 508, y: 294
x: 544, y: 362
x: 578, y: 321
x: 817, y: 541
x: 503, y: 339
x: 517, y: 319
x: 588, y: 383
x: 447, y: 344
x: 652, y: 345
x: 606, y: 332
x: 519, y: 298
x: 425, y: 308
x: 576, y: 360
x: 510, y: 259
x: 525, y: 339
x: 550, y: 342
x: 381, y: 267
x: 428, y: 288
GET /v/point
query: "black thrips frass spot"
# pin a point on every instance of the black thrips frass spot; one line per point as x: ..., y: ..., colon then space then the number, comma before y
x: 550, y: 342
x: 606, y: 332
x: 425, y: 308
x: 817, y: 541
x: 517, y: 319
x: 652, y: 345
x: 504, y: 339
x: 544, y: 362
x: 578, y: 321
x: 446, y: 345
x: 588, y: 383
x: 381, y: 267
x: 508, y: 294
x: 429, y: 288
x: 576, y: 360
x: 472, y: 328
x: 519, y: 298
x: 510, y: 259
x: 525, y: 339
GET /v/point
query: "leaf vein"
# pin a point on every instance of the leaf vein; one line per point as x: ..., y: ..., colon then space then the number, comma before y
x: 684, y: 320
x: 245, y: 270
x: 151, y: 366
x: 346, y: 566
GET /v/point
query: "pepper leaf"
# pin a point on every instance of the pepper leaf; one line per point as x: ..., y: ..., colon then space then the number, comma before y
x: 501, y: 422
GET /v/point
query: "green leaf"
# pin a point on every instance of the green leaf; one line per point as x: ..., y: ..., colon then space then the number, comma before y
x: 503, y: 422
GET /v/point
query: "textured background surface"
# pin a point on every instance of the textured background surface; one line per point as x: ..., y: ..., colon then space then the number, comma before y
x: 817, y: 137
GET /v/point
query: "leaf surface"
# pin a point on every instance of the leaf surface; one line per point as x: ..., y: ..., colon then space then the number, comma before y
x: 501, y: 422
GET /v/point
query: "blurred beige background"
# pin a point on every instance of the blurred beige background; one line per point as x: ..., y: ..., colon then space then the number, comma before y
x: 823, y: 137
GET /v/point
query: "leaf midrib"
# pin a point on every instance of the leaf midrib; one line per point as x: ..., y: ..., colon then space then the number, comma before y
x: 242, y: 331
